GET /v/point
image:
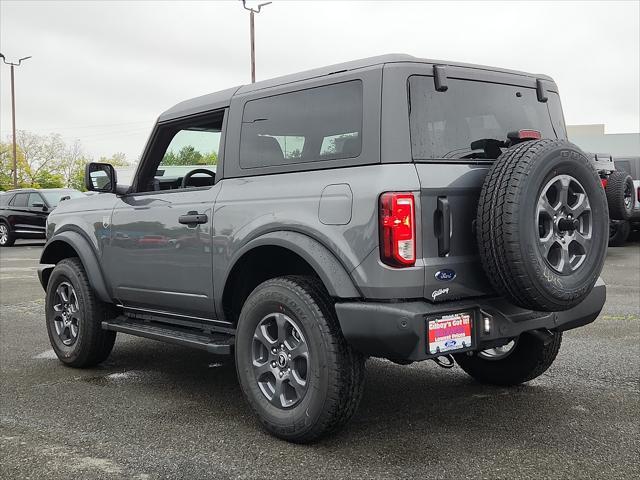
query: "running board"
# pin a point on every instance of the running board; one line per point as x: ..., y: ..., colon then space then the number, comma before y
x: 216, y: 343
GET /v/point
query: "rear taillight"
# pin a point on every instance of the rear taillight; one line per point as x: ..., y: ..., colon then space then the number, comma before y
x: 604, y: 182
x: 398, y: 229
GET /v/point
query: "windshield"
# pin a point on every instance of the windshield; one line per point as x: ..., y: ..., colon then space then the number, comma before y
x: 444, y: 125
x: 53, y: 196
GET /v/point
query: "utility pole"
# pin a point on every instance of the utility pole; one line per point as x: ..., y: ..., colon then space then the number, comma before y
x: 13, y: 116
x: 252, y: 12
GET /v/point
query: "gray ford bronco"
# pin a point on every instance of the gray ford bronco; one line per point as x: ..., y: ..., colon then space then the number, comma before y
x: 392, y: 207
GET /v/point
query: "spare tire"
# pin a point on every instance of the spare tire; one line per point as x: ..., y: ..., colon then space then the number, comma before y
x: 619, y: 192
x: 543, y: 225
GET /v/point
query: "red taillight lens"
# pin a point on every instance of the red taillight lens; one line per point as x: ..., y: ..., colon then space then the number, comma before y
x: 398, y: 229
x: 529, y: 134
x: 604, y: 182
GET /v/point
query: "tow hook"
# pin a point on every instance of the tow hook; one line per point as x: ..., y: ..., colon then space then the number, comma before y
x: 445, y: 361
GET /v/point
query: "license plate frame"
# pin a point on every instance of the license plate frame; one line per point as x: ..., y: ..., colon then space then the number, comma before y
x: 452, y: 332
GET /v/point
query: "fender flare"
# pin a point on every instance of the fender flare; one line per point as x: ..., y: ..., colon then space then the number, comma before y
x: 333, y: 274
x: 87, y: 256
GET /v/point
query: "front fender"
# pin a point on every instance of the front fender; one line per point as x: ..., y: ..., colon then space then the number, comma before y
x: 59, y: 247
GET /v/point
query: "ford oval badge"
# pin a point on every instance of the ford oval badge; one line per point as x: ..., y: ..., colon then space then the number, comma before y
x: 445, y: 275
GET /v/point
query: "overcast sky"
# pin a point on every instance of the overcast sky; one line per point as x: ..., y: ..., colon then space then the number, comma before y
x: 101, y: 72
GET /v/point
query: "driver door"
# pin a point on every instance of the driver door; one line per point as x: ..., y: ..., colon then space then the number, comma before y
x: 159, y: 258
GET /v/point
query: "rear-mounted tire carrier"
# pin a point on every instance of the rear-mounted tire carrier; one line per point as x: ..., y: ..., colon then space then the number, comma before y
x: 542, y: 225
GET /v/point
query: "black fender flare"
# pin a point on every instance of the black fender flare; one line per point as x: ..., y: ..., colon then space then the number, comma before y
x: 86, y: 254
x: 332, y: 273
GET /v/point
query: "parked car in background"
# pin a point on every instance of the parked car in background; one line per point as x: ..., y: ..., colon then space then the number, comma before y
x: 619, y: 230
x: 24, y: 212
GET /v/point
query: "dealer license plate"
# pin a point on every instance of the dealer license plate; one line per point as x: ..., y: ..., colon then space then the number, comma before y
x: 449, y: 333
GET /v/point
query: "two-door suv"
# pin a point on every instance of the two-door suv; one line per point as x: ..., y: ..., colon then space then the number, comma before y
x: 391, y: 207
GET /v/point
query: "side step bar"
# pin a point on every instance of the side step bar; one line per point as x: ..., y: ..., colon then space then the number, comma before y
x: 216, y: 343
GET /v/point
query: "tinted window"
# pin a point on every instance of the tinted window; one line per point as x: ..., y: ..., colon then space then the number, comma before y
x: 444, y: 124
x: 33, y: 199
x: 20, y: 200
x: 323, y: 123
x: 4, y: 198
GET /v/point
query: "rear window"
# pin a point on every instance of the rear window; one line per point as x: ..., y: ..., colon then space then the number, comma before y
x: 313, y: 125
x: 444, y: 124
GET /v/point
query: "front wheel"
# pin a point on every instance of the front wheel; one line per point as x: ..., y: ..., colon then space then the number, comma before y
x: 519, y: 361
x: 74, y: 317
x: 295, y: 368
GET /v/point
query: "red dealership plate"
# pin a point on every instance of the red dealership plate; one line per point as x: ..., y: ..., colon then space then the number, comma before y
x: 449, y: 333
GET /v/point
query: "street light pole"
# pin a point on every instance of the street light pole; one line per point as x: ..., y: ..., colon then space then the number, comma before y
x: 252, y: 12
x: 13, y: 116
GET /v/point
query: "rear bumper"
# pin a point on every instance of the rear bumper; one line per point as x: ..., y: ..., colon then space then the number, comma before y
x: 398, y: 330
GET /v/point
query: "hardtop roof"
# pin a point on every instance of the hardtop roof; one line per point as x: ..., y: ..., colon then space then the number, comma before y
x: 221, y: 99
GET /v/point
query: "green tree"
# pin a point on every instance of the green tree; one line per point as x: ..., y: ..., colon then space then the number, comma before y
x: 46, y: 179
x: 117, y: 160
x: 41, y: 153
x: 188, y: 155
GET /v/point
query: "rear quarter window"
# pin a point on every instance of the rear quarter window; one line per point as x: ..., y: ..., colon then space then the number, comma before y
x: 19, y: 200
x: 444, y: 124
x: 312, y: 125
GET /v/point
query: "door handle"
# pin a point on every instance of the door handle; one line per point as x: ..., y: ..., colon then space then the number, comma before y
x: 193, y: 218
x: 443, y: 226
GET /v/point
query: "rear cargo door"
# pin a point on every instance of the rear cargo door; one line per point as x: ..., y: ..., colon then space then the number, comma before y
x: 443, y: 126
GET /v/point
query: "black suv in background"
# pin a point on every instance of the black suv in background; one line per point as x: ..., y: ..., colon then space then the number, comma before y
x: 24, y: 212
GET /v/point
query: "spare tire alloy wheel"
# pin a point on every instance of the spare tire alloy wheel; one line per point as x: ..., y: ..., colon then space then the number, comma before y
x: 543, y: 225
x: 280, y: 360
x: 564, y: 223
x: 66, y: 320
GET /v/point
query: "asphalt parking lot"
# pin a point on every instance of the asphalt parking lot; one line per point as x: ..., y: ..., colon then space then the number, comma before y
x: 161, y: 411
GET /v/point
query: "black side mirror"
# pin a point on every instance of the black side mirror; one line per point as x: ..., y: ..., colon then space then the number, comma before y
x: 100, y: 177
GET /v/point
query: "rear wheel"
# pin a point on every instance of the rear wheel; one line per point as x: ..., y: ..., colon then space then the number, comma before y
x: 74, y: 317
x: 295, y: 368
x: 7, y: 238
x: 619, y: 231
x: 619, y: 191
x: 519, y: 361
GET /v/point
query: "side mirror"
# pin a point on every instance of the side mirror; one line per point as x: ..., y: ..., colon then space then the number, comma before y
x: 100, y: 177
x: 37, y: 205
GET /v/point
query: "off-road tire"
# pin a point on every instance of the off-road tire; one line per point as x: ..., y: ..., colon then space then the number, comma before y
x: 93, y: 344
x: 529, y: 359
x: 7, y: 237
x: 619, y: 186
x: 336, y: 370
x: 619, y: 231
x: 507, y: 227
